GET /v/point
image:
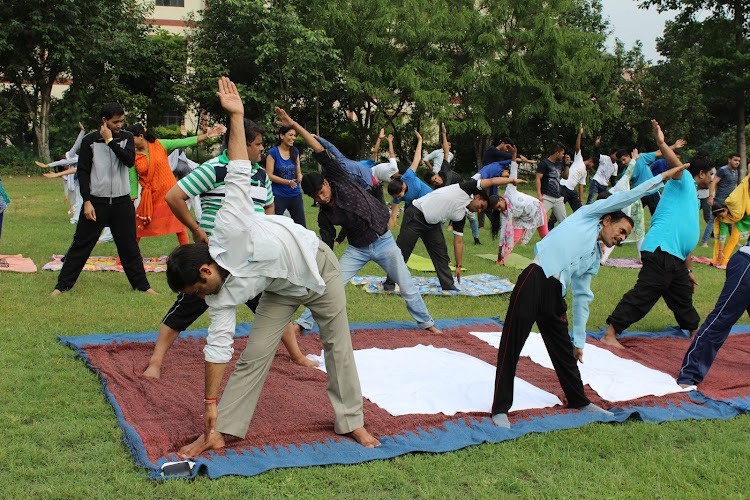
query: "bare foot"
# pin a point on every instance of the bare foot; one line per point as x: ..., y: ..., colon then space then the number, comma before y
x: 152, y: 371
x: 56, y: 292
x: 151, y: 291
x: 215, y: 441
x: 610, y: 339
x: 304, y: 361
x: 364, y: 438
x: 41, y: 165
x: 434, y: 329
x: 704, y: 245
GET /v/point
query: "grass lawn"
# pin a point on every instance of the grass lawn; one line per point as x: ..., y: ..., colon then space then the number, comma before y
x: 62, y: 438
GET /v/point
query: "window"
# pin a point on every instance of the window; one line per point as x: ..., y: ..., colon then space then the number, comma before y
x: 170, y: 3
x: 172, y: 118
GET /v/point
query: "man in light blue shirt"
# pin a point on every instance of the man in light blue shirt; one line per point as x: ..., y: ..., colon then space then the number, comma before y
x: 666, y: 271
x: 568, y: 257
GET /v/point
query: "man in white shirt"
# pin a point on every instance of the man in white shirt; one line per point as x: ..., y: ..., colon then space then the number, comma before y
x: 422, y: 220
x: 572, y: 186
x: 246, y: 255
x: 606, y: 169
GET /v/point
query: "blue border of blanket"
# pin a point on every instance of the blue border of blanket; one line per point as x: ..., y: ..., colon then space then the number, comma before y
x: 450, y: 436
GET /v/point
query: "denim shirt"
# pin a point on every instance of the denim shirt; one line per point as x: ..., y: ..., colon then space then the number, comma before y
x: 571, y: 251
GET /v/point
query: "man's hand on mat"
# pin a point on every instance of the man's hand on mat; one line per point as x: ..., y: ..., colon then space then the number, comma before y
x: 215, y: 441
x: 578, y: 354
x: 364, y: 438
x: 458, y: 274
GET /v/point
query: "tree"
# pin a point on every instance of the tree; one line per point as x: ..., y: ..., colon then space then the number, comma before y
x: 266, y: 50
x: 717, y: 47
x: 35, y: 52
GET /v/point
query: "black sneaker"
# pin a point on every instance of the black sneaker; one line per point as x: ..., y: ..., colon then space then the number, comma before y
x: 477, y: 242
x: 389, y: 287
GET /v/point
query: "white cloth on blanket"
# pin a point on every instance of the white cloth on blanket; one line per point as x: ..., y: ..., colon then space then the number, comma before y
x: 612, y: 377
x: 429, y: 380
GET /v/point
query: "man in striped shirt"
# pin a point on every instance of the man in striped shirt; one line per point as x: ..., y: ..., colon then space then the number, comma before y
x: 207, y: 182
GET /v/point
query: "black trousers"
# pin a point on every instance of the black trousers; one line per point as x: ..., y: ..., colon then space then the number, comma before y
x: 651, y: 201
x: 120, y: 217
x: 571, y: 198
x: 413, y: 227
x: 187, y: 308
x: 539, y: 299
x: 662, y: 275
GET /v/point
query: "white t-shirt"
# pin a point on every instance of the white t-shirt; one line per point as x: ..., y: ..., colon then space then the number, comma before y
x: 576, y: 173
x: 703, y: 193
x: 436, y: 157
x: 384, y: 171
x: 606, y: 170
x: 448, y: 202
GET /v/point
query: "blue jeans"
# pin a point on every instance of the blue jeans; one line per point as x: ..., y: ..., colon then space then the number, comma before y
x: 473, y: 223
x: 387, y: 255
x: 595, y: 189
x: 733, y: 301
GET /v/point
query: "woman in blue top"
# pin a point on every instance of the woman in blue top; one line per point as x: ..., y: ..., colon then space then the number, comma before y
x: 283, y: 168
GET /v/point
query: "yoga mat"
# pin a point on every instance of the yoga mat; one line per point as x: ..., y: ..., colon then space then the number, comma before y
x: 475, y: 285
x: 513, y: 260
x: 423, y: 264
x: 702, y: 260
x: 627, y: 263
x: 98, y: 263
x: 293, y: 424
x: 17, y: 264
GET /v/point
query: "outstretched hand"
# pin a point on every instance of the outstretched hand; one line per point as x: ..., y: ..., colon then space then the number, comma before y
x: 419, y: 136
x: 658, y: 134
x: 381, y: 134
x: 216, y: 131
x: 517, y: 181
x: 665, y: 176
x: 390, y: 137
x: 679, y: 144
x: 229, y: 97
x: 283, y: 117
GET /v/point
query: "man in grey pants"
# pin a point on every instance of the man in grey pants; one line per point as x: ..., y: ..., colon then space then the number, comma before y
x: 247, y: 255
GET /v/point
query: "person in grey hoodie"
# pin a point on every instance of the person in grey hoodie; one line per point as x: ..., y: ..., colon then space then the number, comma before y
x: 103, y: 163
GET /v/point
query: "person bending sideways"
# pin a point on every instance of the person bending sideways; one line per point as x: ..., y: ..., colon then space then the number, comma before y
x: 268, y: 254
x: 207, y: 183
x: 567, y: 258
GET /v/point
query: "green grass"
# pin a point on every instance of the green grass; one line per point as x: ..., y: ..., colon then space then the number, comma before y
x: 62, y: 440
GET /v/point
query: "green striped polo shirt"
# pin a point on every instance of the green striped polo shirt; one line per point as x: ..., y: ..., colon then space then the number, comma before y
x: 203, y: 182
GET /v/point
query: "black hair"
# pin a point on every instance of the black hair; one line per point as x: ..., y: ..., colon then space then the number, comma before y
x: 493, y: 215
x: 311, y: 183
x: 618, y: 152
x: 395, y: 186
x: 111, y: 109
x: 617, y: 216
x: 428, y: 178
x: 717, y: 208
x: 506, y: 140
x: 138, y: 129
x: 184, y: 263
x: 699, y: 164
x: 555, y: 147
x: 282, y: 131
x: 732, y: 155
x: 252, y: 130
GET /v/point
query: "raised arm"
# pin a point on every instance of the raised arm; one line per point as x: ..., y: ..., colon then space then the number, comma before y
x: 391, y: 153
x: 666, y: 150
x: 376, y: 148
x: 578, y: 139
x: 417, y: 152
x: 286, y: 121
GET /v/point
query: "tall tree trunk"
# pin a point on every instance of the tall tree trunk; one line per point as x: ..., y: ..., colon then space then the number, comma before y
x: 741, y: 141
x: 739, y: 24
x: 41, y: 123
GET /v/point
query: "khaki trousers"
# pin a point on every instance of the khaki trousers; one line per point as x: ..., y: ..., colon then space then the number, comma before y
x: 274, y: 312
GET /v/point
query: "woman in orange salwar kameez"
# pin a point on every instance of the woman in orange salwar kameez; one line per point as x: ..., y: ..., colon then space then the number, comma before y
x: 153, y: 215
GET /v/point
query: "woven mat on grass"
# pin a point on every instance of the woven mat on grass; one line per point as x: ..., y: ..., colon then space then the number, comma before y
x: 99, y: 263
x: 293, y: 423
x: 475, y: 285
